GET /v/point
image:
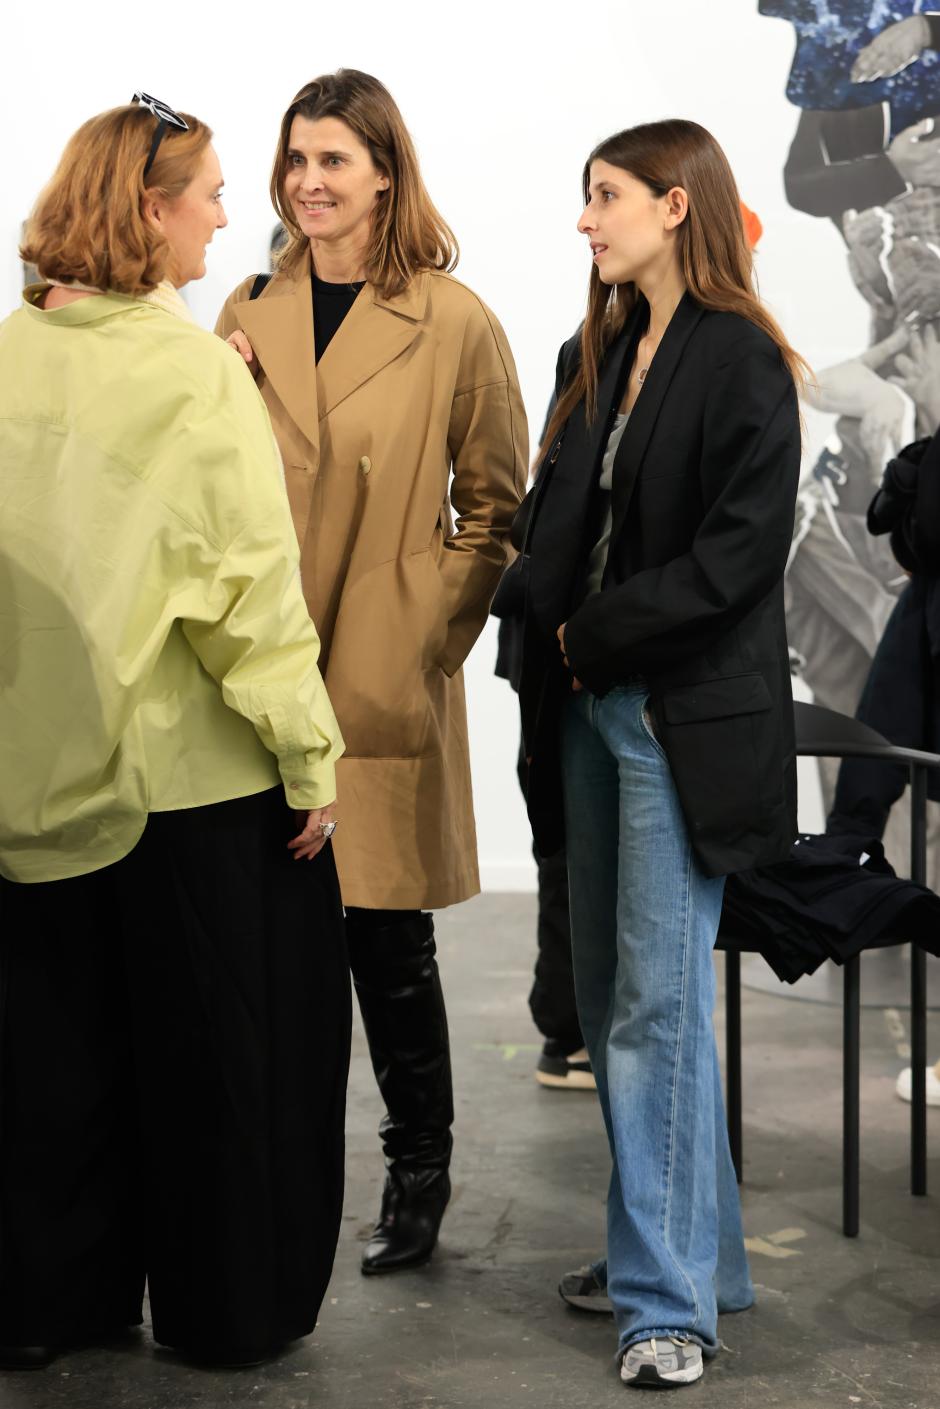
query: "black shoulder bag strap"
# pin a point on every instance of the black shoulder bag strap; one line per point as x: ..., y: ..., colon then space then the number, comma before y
x: 261, y: 283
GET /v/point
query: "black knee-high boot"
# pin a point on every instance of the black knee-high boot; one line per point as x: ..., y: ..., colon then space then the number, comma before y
x: 399, y: 991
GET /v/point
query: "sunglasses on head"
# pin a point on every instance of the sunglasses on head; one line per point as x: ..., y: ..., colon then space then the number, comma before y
x: 165, y: 116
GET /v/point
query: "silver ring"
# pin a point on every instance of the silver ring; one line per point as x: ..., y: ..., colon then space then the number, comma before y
x: 327, y: 828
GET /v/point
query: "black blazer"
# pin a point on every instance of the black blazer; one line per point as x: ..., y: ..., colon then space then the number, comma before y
x: 704, y: 489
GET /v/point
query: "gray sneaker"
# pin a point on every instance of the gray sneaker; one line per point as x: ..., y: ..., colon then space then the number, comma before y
x: 662, y: 1363
x: 584, y: 1292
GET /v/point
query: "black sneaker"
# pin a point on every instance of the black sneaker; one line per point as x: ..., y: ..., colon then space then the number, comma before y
x: 584, y: 1292
x: 564, y: 1071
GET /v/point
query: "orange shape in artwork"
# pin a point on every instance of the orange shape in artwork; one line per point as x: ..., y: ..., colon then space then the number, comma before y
x: 753, y: 229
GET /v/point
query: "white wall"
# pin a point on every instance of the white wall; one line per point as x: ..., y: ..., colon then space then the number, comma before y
x: 504, y: 100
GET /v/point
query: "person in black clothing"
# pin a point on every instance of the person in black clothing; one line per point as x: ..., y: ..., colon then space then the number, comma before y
x: 563, y: 1063
x: 901, y: 699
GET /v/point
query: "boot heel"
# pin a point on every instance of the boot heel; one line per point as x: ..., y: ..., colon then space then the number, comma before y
x: 413, y: 1204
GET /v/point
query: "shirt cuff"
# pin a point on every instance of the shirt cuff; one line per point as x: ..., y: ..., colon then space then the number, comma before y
x: 308, y: 782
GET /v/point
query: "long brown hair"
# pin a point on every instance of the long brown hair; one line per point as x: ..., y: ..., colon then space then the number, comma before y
x: 713, y: 251
x: 408, y: 233
x: 88, y: 225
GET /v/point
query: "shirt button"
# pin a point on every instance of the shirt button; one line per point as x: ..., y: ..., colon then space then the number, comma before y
x: 295, y: 786
x: 365, y: 465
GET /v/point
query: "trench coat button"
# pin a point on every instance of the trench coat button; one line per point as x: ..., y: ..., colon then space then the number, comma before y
x: 365, y: 465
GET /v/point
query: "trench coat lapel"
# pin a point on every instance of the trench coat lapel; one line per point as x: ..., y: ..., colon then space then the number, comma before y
x: 639, y: 428
x: 374, y: 332
x: 279, y: 326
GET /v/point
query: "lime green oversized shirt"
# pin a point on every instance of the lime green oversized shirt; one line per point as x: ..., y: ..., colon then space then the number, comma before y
x: 155, y: 649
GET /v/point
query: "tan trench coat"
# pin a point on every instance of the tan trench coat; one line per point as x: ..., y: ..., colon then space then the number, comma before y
x: 409, y: 390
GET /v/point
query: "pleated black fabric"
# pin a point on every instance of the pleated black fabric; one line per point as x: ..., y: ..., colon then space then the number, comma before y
x: 174, y: 1051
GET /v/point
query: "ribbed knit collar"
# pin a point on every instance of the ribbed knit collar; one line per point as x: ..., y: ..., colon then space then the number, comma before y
x: 164, y: 296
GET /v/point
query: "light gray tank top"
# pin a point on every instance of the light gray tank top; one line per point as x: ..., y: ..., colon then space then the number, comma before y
x: 597, y: 560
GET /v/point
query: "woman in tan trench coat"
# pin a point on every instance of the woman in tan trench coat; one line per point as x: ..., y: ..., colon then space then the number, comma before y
x: 384, y: 376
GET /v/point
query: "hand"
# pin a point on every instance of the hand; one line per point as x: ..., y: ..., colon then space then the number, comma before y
x: 916, y: 154
x: 881, y: 352
x: 560, y: 633
x: 849, y: 388
x: 881, y: 429
x: 919, y: 374
x: 242, y: 346
x: 892, y: 50
x: 310, y: 839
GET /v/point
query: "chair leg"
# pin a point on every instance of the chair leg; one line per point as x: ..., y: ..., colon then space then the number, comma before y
x: 733, y: 1058
x: 918, y: 992
x: 851, y: 1012
x: 918, y: 1070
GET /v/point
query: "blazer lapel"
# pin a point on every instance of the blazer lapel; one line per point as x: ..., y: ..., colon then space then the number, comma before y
x: 374, y: 332
x: 636, y: 436
x: 279, y: 326
x: 560, y: 523
x: 610, y: 389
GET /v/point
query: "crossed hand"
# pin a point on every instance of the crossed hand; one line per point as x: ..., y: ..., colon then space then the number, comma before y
x: 560, y: 633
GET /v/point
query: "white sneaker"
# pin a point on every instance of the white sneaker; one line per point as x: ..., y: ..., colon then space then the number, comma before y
x: 903, y: 1087
x: 661, y: 1363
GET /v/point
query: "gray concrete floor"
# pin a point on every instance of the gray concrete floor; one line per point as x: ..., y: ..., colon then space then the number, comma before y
x: 838, y: 1322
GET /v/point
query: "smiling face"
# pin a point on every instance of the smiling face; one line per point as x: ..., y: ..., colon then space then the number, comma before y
x: 189, y: 221
x: 332, y: 184
x: 632, y: 231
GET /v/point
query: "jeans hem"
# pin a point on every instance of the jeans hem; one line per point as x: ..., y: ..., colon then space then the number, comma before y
x: 725, y: 1310
x: 709, y: 1348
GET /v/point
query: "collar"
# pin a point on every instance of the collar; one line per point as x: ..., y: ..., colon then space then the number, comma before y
x: 103, y: 303
x: 411, y: 303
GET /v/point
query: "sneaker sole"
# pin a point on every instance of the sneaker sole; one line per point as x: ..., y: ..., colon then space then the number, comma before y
x: 903, y: 1088
x: 571, y: 1081
x: 600, y: 1305
x: 648, y: 1378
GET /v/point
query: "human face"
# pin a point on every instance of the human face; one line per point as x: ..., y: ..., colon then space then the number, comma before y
x: 190, y: 220
x: 630, y: 228
x: 331, y: 184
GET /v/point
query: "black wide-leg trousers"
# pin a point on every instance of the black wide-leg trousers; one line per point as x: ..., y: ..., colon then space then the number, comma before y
x: 174, y: 1049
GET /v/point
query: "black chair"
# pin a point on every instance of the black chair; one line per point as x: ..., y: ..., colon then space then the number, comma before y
x: 822, y: 733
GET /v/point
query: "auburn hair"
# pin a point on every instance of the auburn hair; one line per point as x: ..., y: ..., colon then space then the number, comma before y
x: 713, y: 250
x: 408, y: 233
x: 88, y: 225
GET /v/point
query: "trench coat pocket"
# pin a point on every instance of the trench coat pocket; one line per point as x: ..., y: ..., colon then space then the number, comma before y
x: 435, y: 638
x: 716, y: 699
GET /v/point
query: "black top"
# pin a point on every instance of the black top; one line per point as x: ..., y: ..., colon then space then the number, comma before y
x: 331, y: 303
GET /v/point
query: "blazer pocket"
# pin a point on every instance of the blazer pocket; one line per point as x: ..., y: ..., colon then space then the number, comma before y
x: 716, y: 699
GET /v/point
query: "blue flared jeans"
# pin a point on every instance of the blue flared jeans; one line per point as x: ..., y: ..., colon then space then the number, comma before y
x: 644, y: 917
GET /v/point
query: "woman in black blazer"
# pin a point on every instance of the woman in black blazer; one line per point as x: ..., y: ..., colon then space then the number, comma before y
x: 661, y: 732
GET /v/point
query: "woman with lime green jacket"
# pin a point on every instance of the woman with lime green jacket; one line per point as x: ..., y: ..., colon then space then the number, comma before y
x: 174, y: 999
